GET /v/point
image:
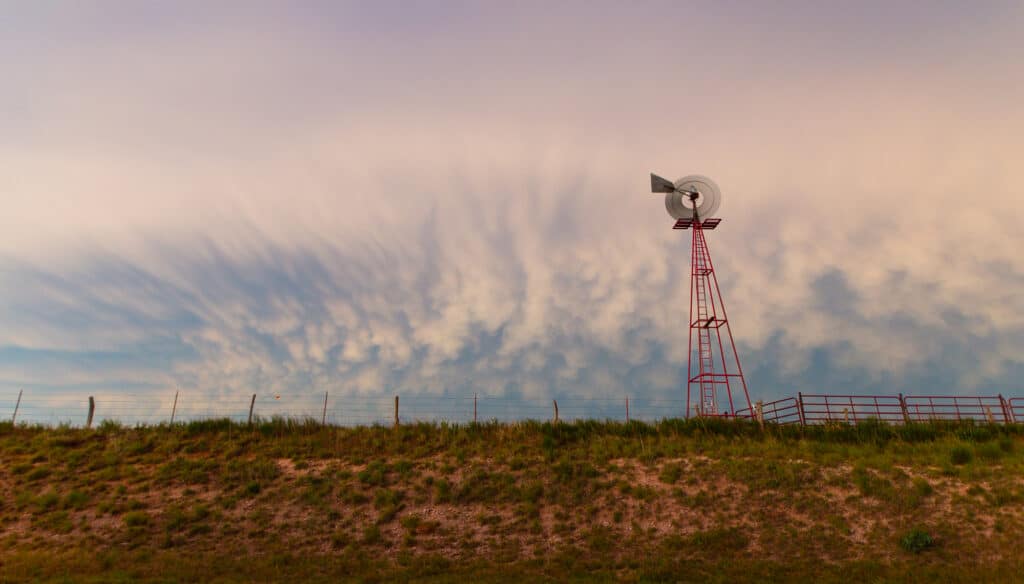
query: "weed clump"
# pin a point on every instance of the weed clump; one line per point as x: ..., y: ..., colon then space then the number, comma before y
x: 136, y: 519
x: 372, y: 535
x: 961, y: 455
x: 671, y: 473
x: 916, y: 541
x: 720, y: 540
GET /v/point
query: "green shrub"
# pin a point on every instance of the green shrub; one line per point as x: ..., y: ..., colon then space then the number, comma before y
x: 404, y: 468
x: 75, y: 500
x: 1006, y: 444
x: 386, y: 497
x: 871, y: 485
x: 989, y: 451
x: 375, y: 474
x: 38, y: 473
x: 720, y: 540
x: 136, y: 519
x: 340, y: 539
x: 47, y: 501
x: 21, y: 468
x: 187, y: 470
x: 388, y: 502
x: 372, y: 535
x: 916, y: 541
x: 317, y: 491
x: 442, y: 491
x: 532, y: 492
x: 961, y: 455
x: 411, y: 522
x: 23, y: 499
x: 600, y: 540
x: 174, y: 518
x: 59, y: 522
x: 671, y: 473
x: 257, y: 470
x: 922, y: 487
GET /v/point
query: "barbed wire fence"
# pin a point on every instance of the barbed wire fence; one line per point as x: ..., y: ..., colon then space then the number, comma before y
x: 52, y: 409
x: 154, y: 408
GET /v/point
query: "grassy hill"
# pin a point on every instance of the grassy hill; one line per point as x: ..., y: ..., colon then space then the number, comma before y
x: 677, y: 500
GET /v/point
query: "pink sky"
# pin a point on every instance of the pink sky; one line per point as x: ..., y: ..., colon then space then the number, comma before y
x: 428, y: 196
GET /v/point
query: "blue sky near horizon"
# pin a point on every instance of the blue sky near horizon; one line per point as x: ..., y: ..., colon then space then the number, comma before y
x: 449, y: 197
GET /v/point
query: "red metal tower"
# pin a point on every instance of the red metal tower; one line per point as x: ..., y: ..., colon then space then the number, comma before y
x: 713, y: 373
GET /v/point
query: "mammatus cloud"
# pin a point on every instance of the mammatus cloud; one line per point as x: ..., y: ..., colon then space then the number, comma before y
x: 226, y: 228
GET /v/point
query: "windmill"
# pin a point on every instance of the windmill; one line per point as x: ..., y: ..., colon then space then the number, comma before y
x: 714, y: 373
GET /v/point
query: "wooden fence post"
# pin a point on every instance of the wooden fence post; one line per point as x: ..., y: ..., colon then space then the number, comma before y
x: 17, y: 404
x: 800, y: 402
x: 323, y: 418
x: 627, y: 409
x: 174, y: 408
x: 903, y: 410
x: 759, y: 409
x: 396, y: 411
x: 252, y: 404
x: 474, y: 408
x: 1007, y: 412
x: 555, y: 402
x: 92, y: 410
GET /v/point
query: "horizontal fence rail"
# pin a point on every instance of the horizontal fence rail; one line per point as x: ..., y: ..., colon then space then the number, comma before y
x: 934, y: 407
x: 357, y: 410
x: 823, y: 408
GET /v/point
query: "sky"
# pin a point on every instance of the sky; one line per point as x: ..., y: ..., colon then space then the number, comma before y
x: 427, y: 197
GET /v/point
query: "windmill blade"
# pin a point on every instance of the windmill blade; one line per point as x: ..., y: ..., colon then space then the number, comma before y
x: 680, y: 205
x: 661, y: 185
x: 710, y: 196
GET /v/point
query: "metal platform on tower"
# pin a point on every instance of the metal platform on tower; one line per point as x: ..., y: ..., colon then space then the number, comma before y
x: 688, y: 223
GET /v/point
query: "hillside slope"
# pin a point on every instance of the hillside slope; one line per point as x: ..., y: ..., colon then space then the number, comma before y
x: 678, y: 500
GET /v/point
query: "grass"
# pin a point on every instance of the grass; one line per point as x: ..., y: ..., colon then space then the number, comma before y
x: 678, y: 500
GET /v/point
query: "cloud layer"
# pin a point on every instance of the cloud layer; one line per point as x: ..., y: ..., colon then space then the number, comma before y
x: 379, y: 200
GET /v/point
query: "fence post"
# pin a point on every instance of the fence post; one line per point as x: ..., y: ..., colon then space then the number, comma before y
x: 252, y: 403
x: 759, y: 409
x: 627, y: 409
x: 800, y: 402
x: 92, y: 410
x: 555, y: 402
x: 903, y: 410
x: 16, y: 405
x: 174, y: 408
x: 323, y: 418
x: 396, y: 411
x: 1007, y: 412
x: 474, y: 408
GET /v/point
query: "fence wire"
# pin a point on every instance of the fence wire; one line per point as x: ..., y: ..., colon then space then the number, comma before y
x: 53, y: 409
x: 339, y: 410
